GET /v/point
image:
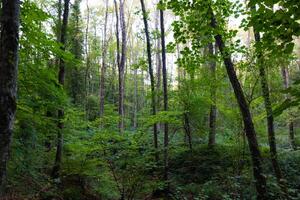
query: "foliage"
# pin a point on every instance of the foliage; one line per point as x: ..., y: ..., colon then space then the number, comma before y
x: 98, y: 161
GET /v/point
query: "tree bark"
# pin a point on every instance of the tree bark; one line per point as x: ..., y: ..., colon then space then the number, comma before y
x: 87, y: 67
x: 117, y: 33
x: 285, y: 76
x: 292, y: 136
x: 188, y: 132
x: 59, y: 13
x: 9, y: 45
x: 260, y: 180
x: 117, y: 39
x: 103, y: 68
x: 158, y: 70
x: 270, y: 117
x: 135, y: 112
x: 61, y: 80
x: 165, y: 94
x: 153, y: 94
x: 122, y: 67
x: 76, y: 49
x: 213, y: 108
x: 158, y: 63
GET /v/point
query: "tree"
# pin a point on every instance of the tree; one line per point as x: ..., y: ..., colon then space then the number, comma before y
x: 261, y: 186
x: 158, y: 62
x: 209, y: 27
x: 278, y: 30
x: 88, y: 61
x: 122, y: 66
x: 268, y: 107
x: 213, y: 107
x: 61, y: 80
x: 165, y: 93
x: 76, y: 79
x: 285, y: 77
x: 153, y: 94
x: 103, y: 67
x: 9, y: 44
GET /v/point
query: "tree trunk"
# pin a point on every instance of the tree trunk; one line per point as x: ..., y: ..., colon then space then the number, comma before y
x: 270, y: 117
x: 76, y: 49
x: 260, y: 180
x: 292, y: 136
x: 135, y: 112
x: 87, y: 67
x: 165, y: 94
x: 103, y: 68
x: 59, y: 13
x: 186, y: 119
x: 213, y: 108
x: 158, y: 63
x: 117, y: 37
x: 187, y: 128
x: 122, y: 67
x: 285, y: 76
x: 61, y: 80
x: 153, y: 95
x: 9, y: 44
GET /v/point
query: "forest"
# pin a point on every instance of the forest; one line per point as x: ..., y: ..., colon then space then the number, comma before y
x: 149, y: 99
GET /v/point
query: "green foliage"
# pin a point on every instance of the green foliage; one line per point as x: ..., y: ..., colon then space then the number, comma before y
x: 278, y: 26
x: 101, y: 163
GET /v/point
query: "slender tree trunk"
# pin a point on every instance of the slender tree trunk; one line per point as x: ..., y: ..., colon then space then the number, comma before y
x: 158, y: 70
x: 292, y: 136
x: 59, y: 13
x: 188, y: 132
x: 103, y: 68
x: 135, y: 125
x: 117, y: 36
x: 165, y: 91
x: 76, y: 91
x: 117, y: 33
x: 9, y: 45
x: 260, y: 180
x: 153, y: 95
x: 122, y: 67
x: 213, y: 107
x: 61, y: 80
x: 186, y: 119
x: 270, y: 117
x: 285, y: 76
x: 87, y: 67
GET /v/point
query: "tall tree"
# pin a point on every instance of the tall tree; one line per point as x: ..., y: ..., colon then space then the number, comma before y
x: 88, y: 61
x: 213, y: 107
x: 58, y: 24
x: 76, y: 48
x: 122, y: 66
x: 260, y: 180
x: 286, y: 77
x: 268, y: 107
x: 61, y: 80
x: 135, y: 101
x: 158, y: 62
x: 9, y: 44
x: 152, y: 81
x: 165, y: 92
x: 117, y: 33
x: 158, y: 66
x: 117, y: 36
x: 103, y: 67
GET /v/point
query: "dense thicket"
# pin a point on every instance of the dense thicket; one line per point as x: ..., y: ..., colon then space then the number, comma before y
x: 171, y: 99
